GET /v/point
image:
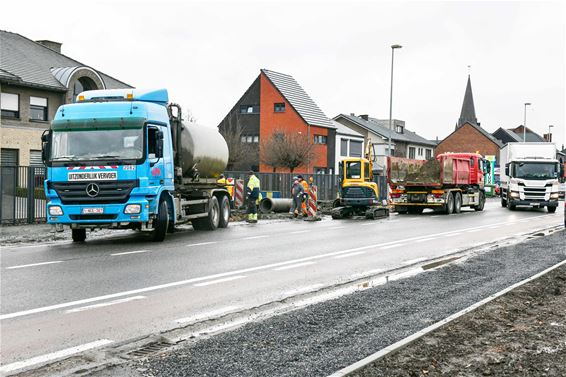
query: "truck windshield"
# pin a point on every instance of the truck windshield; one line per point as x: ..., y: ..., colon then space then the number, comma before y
x: 535, y: 170
x: 353, y: 170
x: 95, y: 144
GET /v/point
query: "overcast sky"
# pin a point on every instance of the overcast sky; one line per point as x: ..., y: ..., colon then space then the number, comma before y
x: 207, y: 53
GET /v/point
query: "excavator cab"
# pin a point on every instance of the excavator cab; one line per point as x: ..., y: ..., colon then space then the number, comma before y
x: 358, y: 193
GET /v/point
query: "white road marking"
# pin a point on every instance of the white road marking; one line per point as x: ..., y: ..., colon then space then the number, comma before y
x: 349, y: 255
x: 104, y: 304
x: 306, y: 289
x: 53, y: 356
x: 254, y: 237
x: 130, y: 252
x: 452, y: 234
x: 393, y: 221
x: 33, y: 265
x: 300, y: 231
x: 224, y: 326
x: 368, y: 224
x: 336, y: 227
x: 220, y: 281
x: 435, y: 216
x: 200, y: 244
x: 293, y: 266
x: 427, y: 239
x: 392, y: 246
x: 206, y: 315
x: 473, y: 230
x: 411, y: 261
x: 376, y: 246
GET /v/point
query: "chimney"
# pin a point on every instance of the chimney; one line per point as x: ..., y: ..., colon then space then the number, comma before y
x: 364, y: 117
x: 52, y: 45
x: 352, y: 114
x: 547, y: 137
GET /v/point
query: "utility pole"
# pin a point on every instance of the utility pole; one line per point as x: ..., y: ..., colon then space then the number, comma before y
x: 393, y: 47
x: 525, y: 122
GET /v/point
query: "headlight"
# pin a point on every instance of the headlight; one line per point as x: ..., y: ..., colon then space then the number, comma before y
x: 515, y: 194
x: 132, y: 209
x: 55, y: 211
x: 554, y: 195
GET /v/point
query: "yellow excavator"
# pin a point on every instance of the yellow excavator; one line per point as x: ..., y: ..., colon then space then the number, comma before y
x: 358, y: 192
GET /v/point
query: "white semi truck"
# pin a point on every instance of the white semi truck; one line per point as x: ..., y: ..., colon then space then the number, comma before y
x: 529, y: 175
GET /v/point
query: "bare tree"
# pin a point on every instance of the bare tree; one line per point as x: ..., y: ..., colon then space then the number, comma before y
x: 286, y: 150
x: 240, y: 153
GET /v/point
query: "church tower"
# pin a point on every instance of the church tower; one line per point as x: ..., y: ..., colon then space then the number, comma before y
x: 468, y: 113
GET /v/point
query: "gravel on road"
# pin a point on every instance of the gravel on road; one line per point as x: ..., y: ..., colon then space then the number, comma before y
x: 323, y: 338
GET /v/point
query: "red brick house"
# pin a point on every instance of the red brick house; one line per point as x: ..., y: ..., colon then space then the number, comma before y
x: 469, y: 136
x: 276, y: 102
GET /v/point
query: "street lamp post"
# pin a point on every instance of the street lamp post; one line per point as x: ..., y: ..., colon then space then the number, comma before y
x: 525, y: 122
x: 393, y: 47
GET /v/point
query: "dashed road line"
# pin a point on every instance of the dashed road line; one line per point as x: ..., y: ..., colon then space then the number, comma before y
x: 427, y: 239
x: 300, y: 231
x: 33, y: 265
x: 200, y: 244
x: 211, y: 314
x: 349, y: 255
x: 104, y: 304
x: 293, y: 266
x: 218, y: 281
x: 336, y: 227
x: 130, y: 252
x: 53, y: 356
x: 255, y: 237
x: 392, y: 246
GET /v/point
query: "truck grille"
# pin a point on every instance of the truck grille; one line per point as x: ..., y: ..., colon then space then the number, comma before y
x: 109, y: 191
x: 532, y: 193
x: 93, y: 217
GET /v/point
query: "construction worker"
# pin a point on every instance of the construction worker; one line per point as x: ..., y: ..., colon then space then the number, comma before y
x: 297, y: 191
x: 228, y: 183
x: 253, y: 195
x: 305, y: 196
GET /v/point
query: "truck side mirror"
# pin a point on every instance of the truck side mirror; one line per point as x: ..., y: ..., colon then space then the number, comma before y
x: 159, y: 145
x: 45, y: 146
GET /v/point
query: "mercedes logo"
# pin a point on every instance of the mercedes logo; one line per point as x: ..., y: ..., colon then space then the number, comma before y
x: 92, y: 190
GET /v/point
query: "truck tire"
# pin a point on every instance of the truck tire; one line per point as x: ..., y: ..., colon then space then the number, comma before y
x: 457, y: 202
x: 511, y: 206
x: 551, y: 209
x: 224, y: 212
x: 449, y: 206
x: 161, y: 222
x: 503, y: 202
x: 481, y: 203
x: 211, y: 221
x: 79, y: 235
x: 401, y: 210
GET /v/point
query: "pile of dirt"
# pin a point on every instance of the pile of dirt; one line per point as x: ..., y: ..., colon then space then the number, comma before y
x: 521, y: 333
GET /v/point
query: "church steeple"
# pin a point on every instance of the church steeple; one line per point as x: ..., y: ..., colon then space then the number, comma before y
x: 468, y: 113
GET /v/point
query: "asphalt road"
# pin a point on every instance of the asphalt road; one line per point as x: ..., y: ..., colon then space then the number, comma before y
x: 64, y: 295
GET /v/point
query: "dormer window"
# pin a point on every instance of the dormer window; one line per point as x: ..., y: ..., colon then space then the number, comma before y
x: 399, y: 129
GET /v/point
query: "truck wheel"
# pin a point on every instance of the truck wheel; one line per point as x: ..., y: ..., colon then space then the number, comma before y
x: 449, y: 206
x: 336, y: 203
x: 160, y: 224
x: 211, y: 221
x: 224, y: 212
x: 401, y: 210
x: 457, y: 202
x: 551, y: 209
x: 79, y: 235
x: 512, y: 207
x: 481, y: 203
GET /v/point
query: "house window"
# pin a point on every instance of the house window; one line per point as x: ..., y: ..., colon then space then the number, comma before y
x: 249, y: 109
x: 428, y: 154
x: 399, y: 129
x: 420, y: 150
x: 35, y: 158
x: 320, y: 139
x: 9, y: 157
x: 319, y: 170
x: 250, y: 138
x: 256, y: 139
x: 411, y: 152
x: 37, y: 108
x: 355, y: 148
x: 10, y: 104
x: 344, y: 147
x: 279, y: 107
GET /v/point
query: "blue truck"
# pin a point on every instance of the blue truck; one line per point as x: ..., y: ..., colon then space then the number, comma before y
x: 124, y: 159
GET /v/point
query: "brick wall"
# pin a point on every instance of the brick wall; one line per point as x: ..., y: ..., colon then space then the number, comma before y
x: 468, y: 140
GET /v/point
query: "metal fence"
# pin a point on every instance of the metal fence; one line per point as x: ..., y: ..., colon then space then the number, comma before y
x: 327, y: 184
x: 22, y: 199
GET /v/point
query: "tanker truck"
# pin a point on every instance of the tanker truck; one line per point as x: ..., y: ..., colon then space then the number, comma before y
x: 124, y: 159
